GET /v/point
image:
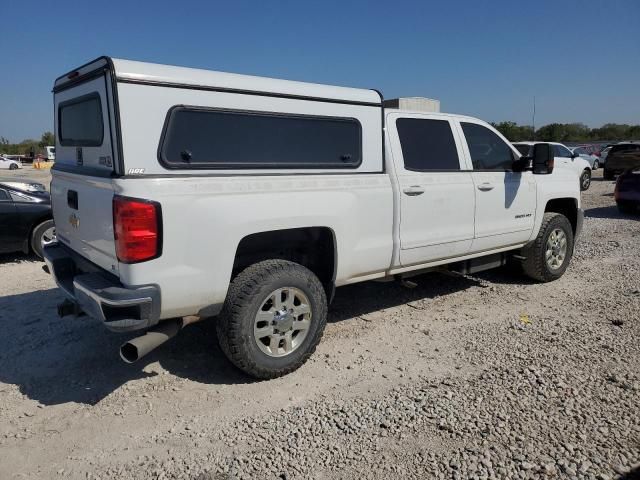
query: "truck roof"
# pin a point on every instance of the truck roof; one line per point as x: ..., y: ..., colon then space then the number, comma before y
x: 172, y: 76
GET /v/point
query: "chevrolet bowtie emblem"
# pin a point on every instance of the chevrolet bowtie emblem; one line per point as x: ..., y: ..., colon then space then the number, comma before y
x: 74, y: 220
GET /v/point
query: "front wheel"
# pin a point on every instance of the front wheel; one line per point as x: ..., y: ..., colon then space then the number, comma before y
x: 13, y: 166
x: 43, y: 235
x: 547, y: 258
x: 608, y: 174
x: 596, y: 165
x: 273, y: 318
x: 585, y: 180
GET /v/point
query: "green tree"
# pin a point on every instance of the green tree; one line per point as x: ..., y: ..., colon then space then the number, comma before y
x: 47, y: 139
x: 513, y: 131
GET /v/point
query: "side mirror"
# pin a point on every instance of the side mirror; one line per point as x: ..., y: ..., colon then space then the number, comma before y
x: 574, y: 155
x: 543, y: 159
x: 521, y: 164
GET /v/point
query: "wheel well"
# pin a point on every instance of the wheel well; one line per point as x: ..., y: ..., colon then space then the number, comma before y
x: 313, y: 247
x: 567, y: 207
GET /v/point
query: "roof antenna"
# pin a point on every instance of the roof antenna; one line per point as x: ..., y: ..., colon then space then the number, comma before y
x: 534, y: 117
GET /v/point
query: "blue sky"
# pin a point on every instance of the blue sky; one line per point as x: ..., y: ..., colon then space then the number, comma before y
x: 581, y: 59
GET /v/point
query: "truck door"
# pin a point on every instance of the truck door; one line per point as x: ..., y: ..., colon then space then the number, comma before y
x: 436, y: 194
x: 505, y: 200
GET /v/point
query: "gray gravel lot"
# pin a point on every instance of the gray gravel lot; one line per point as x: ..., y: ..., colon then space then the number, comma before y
x: 484, y: 377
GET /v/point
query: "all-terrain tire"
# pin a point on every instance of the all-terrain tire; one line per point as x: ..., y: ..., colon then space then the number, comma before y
x: 535, y: 264
x: 246, y: 294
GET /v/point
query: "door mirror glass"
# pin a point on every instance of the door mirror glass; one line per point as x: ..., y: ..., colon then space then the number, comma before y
x: 542, y: 159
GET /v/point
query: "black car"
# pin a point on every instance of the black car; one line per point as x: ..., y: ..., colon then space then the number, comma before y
x: 621, y: 157
x: 26, y: 222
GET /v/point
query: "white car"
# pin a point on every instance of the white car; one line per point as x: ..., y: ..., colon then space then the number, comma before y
x: 182, y: 194
x: 563, y: 158
x: 593, y: 160
x: 7, y: 163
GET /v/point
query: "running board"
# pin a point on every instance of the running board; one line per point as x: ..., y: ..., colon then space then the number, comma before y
x: 480, y: 264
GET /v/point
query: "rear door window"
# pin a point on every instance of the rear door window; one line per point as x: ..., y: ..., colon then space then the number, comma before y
x: 80, y: 121
x: 427, y: 144
x: 560, y: 151
x: 624, y: 148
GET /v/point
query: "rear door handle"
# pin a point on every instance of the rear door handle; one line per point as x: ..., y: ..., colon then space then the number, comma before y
x: 413, y: 190
x: 485, y: 187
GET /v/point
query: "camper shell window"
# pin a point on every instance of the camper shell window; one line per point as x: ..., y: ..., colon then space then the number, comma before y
x: 80, y: 121
x: 207, y: 138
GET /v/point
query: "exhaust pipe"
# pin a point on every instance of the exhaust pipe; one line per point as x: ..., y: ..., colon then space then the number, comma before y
x: 137, y: 348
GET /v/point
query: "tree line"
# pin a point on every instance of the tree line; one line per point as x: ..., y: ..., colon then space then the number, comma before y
x: 569, y: 132
x: 28, y: 146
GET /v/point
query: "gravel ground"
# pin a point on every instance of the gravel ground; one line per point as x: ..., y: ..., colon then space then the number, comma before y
x: 489, y: 376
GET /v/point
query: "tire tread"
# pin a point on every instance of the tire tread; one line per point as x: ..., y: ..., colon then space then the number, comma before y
x: 534, y: 263
x: 241, y: 294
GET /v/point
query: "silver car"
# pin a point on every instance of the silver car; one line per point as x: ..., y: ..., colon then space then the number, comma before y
x: 592, y: 159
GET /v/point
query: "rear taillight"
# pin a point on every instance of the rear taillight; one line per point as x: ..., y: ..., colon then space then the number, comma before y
x: 137, y: 229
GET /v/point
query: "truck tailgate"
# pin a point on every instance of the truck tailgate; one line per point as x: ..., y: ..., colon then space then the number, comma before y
x: 82, y: 211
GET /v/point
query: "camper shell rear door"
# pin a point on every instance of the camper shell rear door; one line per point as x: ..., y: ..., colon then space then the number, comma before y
x: 86, y: 160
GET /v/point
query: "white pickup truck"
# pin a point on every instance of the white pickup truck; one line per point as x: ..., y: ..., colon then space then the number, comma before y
x: 183, y: 194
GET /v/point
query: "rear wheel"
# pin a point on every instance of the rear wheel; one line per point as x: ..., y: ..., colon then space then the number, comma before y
x: 608, y: 174
x: 547, y: 258
x: 585, y: 179
x: 273, y: 318
x: 43, y: 235
x: 13, y: 166
x: 596, y: 165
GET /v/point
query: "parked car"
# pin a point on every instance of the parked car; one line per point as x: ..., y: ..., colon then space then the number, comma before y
x: 593, y: 159
x: 603, y: 155
x: 7, y: 163
x: 627, y: 191
x: 622, y: 156
x: 26, y: 221
x: 288, y: 190
x: 564, y: 158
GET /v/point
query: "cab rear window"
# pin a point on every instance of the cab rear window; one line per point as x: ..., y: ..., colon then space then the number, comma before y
x: 80, y: 121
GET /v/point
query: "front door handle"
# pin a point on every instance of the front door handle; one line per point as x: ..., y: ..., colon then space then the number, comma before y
x: 485, y: 187
x: 413, y: 190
